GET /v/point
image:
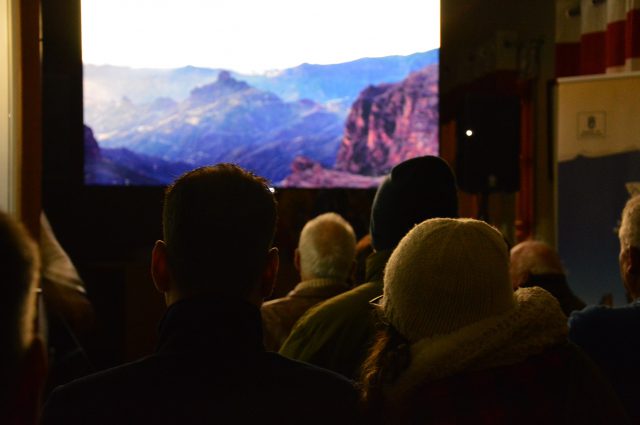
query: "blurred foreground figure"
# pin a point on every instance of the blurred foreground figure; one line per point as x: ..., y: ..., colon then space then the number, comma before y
x: 69, y: 313
x: 325, y: 260
x: 337, y: 333
x: 461, y: 347
x: 608, y: 335
x: 22, y: 353
x: 534, y: 263
x: 214, y: 267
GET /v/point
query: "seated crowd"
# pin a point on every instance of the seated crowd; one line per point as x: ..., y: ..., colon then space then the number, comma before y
x: 449, y: 327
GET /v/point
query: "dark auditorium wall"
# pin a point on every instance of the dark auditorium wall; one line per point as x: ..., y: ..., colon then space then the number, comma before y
x: 473, y: 61
x: 109, y: 231
x: 589, y: 213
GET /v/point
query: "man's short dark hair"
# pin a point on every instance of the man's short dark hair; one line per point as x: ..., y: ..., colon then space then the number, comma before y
x: 218, y: 223
x: 19, y: 265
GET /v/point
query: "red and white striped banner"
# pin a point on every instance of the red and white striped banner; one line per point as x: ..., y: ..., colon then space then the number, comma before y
x: 567, y: 38
x: 632, y: 36
x: 615, y: 37
x: 592, y: 37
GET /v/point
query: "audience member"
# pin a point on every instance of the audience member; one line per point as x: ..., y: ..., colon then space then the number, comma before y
x: 214, y: 267
x: 461, y: 347
x: 607, y: 334
x: 22, y: 354
x: 534, y: 263
x: 325, y: 260
x: 69, y: 313
x: 63, y: 289
x: 337, y: 333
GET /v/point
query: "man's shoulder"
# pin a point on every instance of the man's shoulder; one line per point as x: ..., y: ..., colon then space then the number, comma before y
x: 601, y: 314
x: 339, y: 314
x: 143, y: 392
x: 275, y: 306
x: 343, y: 307
x: 318, y: 383
x: 119, y: 375
x: 336, y: 333
x: 78, y: 398
x: 286, y: 368
x: 597, y: 326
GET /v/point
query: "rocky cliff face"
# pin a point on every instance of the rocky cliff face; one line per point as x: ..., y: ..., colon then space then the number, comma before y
x: 123, y: 167
x: 228, y: 121
x: 306, y: 173
x: 390, y: 123
x: 91, y: 148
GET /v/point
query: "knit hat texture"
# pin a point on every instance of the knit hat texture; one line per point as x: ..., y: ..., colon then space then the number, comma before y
x: 446, y: 274
x: 417, y: 189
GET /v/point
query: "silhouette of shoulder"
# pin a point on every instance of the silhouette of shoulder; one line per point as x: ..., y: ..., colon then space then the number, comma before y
x: 165, y: 390
x: 336, y: 333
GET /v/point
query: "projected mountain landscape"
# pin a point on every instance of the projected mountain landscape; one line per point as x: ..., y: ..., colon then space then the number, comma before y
x: 342, y: 125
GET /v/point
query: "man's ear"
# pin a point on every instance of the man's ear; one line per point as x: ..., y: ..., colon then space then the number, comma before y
x: 296, y: 259
x: 270, y: 273
x: 160, y: 267
x: 634, y: 261
x: 28, y: 392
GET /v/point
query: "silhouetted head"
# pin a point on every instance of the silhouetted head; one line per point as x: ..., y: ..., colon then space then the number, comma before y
x: 629, y: 258
x: 22, y: 362
x: 531, y: 258
x: 416, y: 190
x: 218, y: 224
x: 326, y: 249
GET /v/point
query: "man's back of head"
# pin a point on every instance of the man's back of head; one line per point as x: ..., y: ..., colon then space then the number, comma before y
x: 533, y: 258
x: 326, y: 248
x: 629, y: 258
x: 534, y: 263
x: 218, y: 225
x: 21, y: 355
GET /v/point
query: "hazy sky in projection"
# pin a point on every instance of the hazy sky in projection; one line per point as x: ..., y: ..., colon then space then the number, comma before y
x: 254, y: 35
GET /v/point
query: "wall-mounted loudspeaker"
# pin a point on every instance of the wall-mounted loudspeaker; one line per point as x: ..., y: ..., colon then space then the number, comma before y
x: 488, y: 151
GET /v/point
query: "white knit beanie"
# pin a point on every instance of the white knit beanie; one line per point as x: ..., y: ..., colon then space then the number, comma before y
x: 446, y: 274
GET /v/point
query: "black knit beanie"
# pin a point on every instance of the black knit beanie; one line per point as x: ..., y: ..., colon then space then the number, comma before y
x: 416, y: 190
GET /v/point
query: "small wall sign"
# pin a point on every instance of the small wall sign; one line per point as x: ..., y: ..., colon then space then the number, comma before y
x: 592, y: 124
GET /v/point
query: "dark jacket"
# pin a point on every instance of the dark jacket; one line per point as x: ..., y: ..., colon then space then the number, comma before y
x: 210, y: 367
x: 557, y: 285
x: 608, y: 336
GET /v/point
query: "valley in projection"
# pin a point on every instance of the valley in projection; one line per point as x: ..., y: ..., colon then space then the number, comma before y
x: 342, y: 125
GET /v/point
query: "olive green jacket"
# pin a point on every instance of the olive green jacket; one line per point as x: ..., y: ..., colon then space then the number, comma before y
x: 337, y: 333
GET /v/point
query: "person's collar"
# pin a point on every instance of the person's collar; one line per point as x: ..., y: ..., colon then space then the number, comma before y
x: 318, y: 283
x: 206, y: 320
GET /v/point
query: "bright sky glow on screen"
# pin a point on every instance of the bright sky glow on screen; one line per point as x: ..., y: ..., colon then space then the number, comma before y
x: 254, y: 36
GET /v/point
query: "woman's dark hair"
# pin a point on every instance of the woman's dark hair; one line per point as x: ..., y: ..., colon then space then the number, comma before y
x: 388, y: 357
